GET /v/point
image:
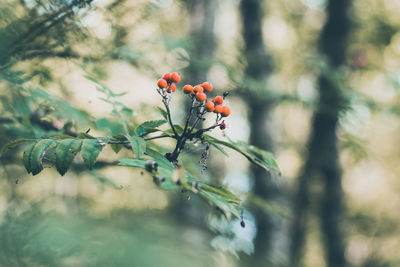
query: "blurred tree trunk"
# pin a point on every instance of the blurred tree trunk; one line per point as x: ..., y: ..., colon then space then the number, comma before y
x: 259, y: 67
x: 202, y: 18
x: 323, y: 157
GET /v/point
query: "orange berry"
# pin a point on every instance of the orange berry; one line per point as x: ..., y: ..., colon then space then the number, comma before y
x: 210, y: 106
x: 225, y: 111
x: 172, y: 87
x: 162, y: 83
x: 188, y: 89
x: 218, y: 100
x: 167, y: 76
x: 175, y: 77
x: 218, y: 109
x: 198, y: 89
x: 201, y: 97
x: 207, y: 86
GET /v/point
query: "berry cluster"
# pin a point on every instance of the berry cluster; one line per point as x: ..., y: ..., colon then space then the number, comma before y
x: 199, y: 107
x: 168, y: 81
x: 215, y: 105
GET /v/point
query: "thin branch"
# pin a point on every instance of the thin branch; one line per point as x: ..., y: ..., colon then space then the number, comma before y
x: 169, y: 117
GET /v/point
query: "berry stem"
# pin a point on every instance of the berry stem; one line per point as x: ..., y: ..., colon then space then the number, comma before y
x: 188, y: 117
x: 169, y: 117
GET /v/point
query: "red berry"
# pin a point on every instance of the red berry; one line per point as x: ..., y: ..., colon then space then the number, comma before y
x: 201, y: 97
x: 175, y: 77
x: 210, y: 106
x: 218, y: 109
x: 172, y: 87
x: 225, y: 111
x: 198, y: 89
x: 222, y: 126
x: 218, y: 100
x: 188, y: 89
x: 167, y: 76
x: 162, y: 83
x: 207, y: 86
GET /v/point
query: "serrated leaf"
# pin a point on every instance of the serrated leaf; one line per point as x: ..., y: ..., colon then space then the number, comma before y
x: 90, y: 150
x: 153, y: 124
x: 36, y: 156
x: 149, y: 127
x: 13, y: 144
x: 163, y: 113
x: 85, y: 136
x: 160, y: 159
x: 27, y: 156
x: 119, y: 137
x: 228, y: 208
x: 255, y: 155
x: 222, y: 192
x: 265, y: 157
x: 116, y: 147
x: 137, y: 163
x: 216, y: 145
x: 65, y: 153
x: 138, y: 145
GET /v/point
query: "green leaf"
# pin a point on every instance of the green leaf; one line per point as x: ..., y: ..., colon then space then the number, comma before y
x: 138, y: 145
x: 65, y: 153
x: 216, y: 145
x: 160, y: 159
x: 137, y: 163
x: 35, y: 154
x: 222, y: 192
x: 255, y: 155
x: 149, y: 127
x: 119, y: 137
x: 85, y: 136
x: 91, y: 149
x: 116, y: 147
x: 14, y: 143
x: 153, y: 124
x: 227, y: 207
x: 27, y: 156
x: 163, y: 113
x: 126, y: 111
x: 265, y: 158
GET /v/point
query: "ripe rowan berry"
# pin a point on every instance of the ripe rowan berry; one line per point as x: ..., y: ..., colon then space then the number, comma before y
x: 162, y: 83
x: 222, y: 126
x: 175, y: 77
x: 225, y: 111
x: 198, y: 89
x: 167, y: 76
x: 210, y: 106
x: 201, y: 97
x: 218, y: 100
x: 172, y: 88
x: 218, y: 109
x: 188, y: 89
x: 207, y: 86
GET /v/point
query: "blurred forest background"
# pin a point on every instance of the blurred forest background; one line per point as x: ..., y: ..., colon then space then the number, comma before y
x: 317, y: 82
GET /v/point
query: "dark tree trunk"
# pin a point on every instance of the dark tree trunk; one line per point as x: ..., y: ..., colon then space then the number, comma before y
x: 259, y: 66
x: 323, y: 157
x: 202, y: 18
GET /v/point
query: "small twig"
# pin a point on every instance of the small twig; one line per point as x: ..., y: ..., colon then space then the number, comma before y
x: 189, y: 117
x: 169, y: 116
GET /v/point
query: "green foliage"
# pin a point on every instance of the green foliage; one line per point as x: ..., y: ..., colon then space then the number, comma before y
x: 65, y: 154
x: 60, y: 149
x: 138, y: 145
x: 257, y: 156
